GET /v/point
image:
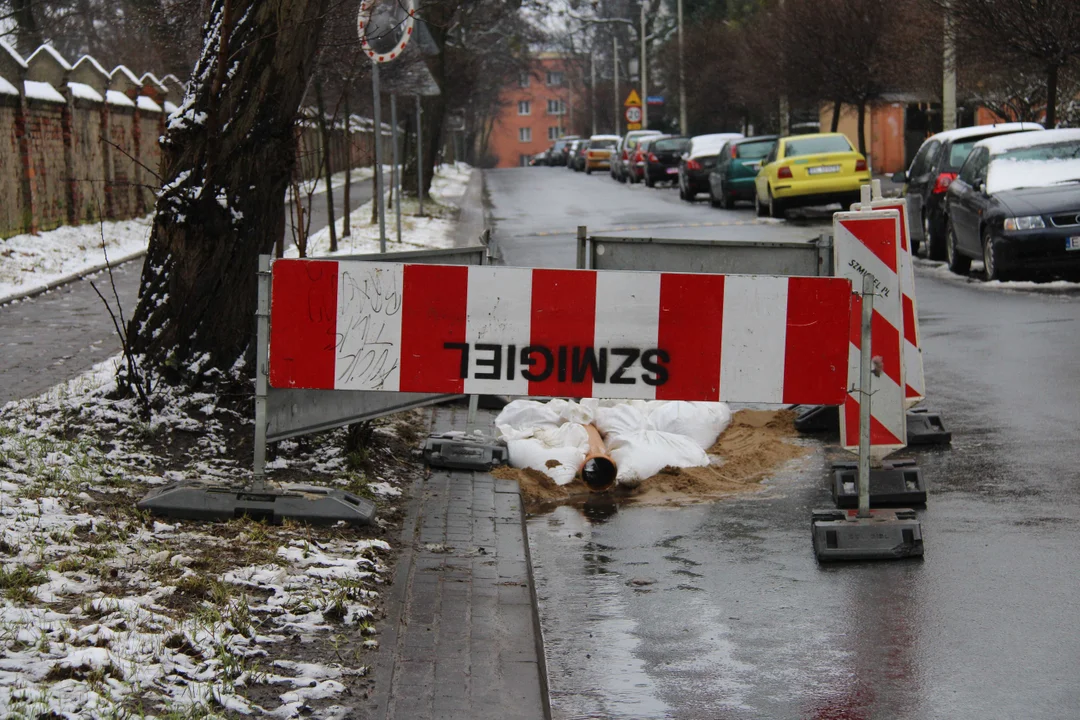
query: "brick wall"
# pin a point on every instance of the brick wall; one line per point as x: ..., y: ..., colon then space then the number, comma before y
x: 53, y: 166
x: 11, y: 191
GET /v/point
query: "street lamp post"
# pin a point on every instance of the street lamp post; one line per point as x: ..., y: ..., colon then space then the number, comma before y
x: 644, y: 74
x: 682, y: 77
x: 615, y: 75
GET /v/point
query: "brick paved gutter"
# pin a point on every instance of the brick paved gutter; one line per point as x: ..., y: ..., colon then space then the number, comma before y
x: 462, y: 639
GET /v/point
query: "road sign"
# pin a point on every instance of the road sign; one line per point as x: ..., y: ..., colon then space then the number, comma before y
x: 655, y: 100
x: 633, y: 114
x: 351, y: 325
x: 633, y: 99
x: 868, y: 241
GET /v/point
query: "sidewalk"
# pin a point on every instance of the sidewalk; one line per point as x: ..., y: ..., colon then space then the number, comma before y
x: 462, y: 636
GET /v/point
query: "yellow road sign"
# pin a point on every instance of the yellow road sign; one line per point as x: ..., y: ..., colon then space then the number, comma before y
x: 632, y: 99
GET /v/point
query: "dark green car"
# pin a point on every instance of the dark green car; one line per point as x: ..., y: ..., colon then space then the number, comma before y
x: 732, y: 178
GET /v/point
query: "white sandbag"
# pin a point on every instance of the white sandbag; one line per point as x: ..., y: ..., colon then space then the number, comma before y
x: 701, y: 421
x: 524, y: 416
x: 556, y: 452
x: 642, y: 454
x: 621, y: 419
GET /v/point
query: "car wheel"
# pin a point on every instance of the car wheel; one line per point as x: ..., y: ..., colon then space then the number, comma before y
x: 760, y: 209
x: 726, y: 201
x: 992, y: 258
x: 588, y: 171
x: 935, y: 240
x: 776, y: 208
x: 712, y: 198
x: 649, y: 182
x: 959, y: 264
x: 689, y: 194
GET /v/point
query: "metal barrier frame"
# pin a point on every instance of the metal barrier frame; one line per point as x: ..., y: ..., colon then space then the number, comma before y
x: 588, y: 251
x: 285, y: 413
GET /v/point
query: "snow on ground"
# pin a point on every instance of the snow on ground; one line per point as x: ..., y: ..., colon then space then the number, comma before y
x: 434, y: 230
x: 941, y: 271
x: 108, y: 612
x: 31, y: 262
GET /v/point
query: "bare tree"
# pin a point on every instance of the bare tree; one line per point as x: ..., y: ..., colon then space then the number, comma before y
x: 1038, y: 34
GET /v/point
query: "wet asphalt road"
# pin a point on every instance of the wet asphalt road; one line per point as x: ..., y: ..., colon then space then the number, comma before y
x: 738, y: 619
x: 50, y: 338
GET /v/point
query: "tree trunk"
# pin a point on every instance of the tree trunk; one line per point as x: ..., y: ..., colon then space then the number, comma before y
x: 838, y: 105
x: 327, y: 153
x: 345, y: 231
x: 227, y: 159
x: 862, y: 129
x: 1051, y: 96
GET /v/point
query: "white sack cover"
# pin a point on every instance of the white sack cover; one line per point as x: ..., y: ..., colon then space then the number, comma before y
x: 702, y: 422
x: 642, y: 454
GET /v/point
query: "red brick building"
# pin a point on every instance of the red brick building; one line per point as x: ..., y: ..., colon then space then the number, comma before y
x: 541, y: 106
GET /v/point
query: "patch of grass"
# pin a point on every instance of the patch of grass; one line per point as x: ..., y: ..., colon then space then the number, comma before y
x: 20, y: 577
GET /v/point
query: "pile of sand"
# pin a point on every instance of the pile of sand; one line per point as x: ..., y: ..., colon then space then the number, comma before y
x: 751, y: 449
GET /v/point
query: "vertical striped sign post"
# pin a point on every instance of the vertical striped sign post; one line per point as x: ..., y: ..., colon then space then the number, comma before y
x: 868, y: 242
x: 915, y: 380
x: 559, y: 333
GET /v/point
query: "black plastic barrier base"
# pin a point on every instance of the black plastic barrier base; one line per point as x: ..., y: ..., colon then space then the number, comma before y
x: 299, y: 503
x: 462, y: 452
x: 898, y: 484
x: 924, y: 427
x: 885, y: 535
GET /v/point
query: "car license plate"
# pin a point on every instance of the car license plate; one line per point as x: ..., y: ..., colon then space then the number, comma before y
x: 822, y: 169
x: 674, y: 171
x: 1072, y: 243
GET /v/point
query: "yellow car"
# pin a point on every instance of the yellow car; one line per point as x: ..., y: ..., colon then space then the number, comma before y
x: 813, y: 169
x: 598, y: 156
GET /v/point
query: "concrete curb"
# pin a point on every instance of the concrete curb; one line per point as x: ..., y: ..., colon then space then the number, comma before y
x: 70, y: 278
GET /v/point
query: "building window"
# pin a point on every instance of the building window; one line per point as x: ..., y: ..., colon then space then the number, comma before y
x: 525, y: 134
x: 523, y: 79
x: 524, y: 107
x: 524, y: 160
x: 556, y: 107
x: 554, y: 78
x: 553, y: 132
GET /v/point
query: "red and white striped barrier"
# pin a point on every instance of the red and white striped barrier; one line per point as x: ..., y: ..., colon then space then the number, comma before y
x: 868, y: 242
x: 551, y: 333
x: 915, y: 389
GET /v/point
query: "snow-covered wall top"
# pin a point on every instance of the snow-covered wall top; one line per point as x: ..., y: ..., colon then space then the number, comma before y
x: 46, y: 72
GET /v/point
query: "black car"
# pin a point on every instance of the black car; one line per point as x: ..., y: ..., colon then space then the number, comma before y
x: 560, y: 150
x: 698, y: 161
x: 1016, y: 206
x: 935, y: 166
x: 662, y: 162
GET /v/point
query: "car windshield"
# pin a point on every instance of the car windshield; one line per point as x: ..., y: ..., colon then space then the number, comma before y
x: 602, y: 144
x: 1008, y: 172
x: 1069, y: 150
x: 815, y: 145
x: 669, y: 144
x: 754, y: 150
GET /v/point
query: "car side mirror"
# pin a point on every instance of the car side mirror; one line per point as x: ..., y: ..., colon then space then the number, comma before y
x: 981, y: 187
x: 899, y: 177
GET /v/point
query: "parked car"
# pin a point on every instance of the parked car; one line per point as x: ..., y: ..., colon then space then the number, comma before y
x: 539, y: 158
x: 662, y: 162
x: 571, y: 153
x: 601, y: 148
x: 935, y: 165
x: 557, y: 154
x: 1016, y: 205
x: 620, y: 166
x: 641, y: 155
x: 580, y: 154
x: 698, y: 161
x: 815, y: 169
x: 732, y: 178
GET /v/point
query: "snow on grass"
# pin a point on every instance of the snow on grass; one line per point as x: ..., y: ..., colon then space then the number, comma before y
x: 434, y: 230
x: 32, y: 262
x: 108, y: 612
